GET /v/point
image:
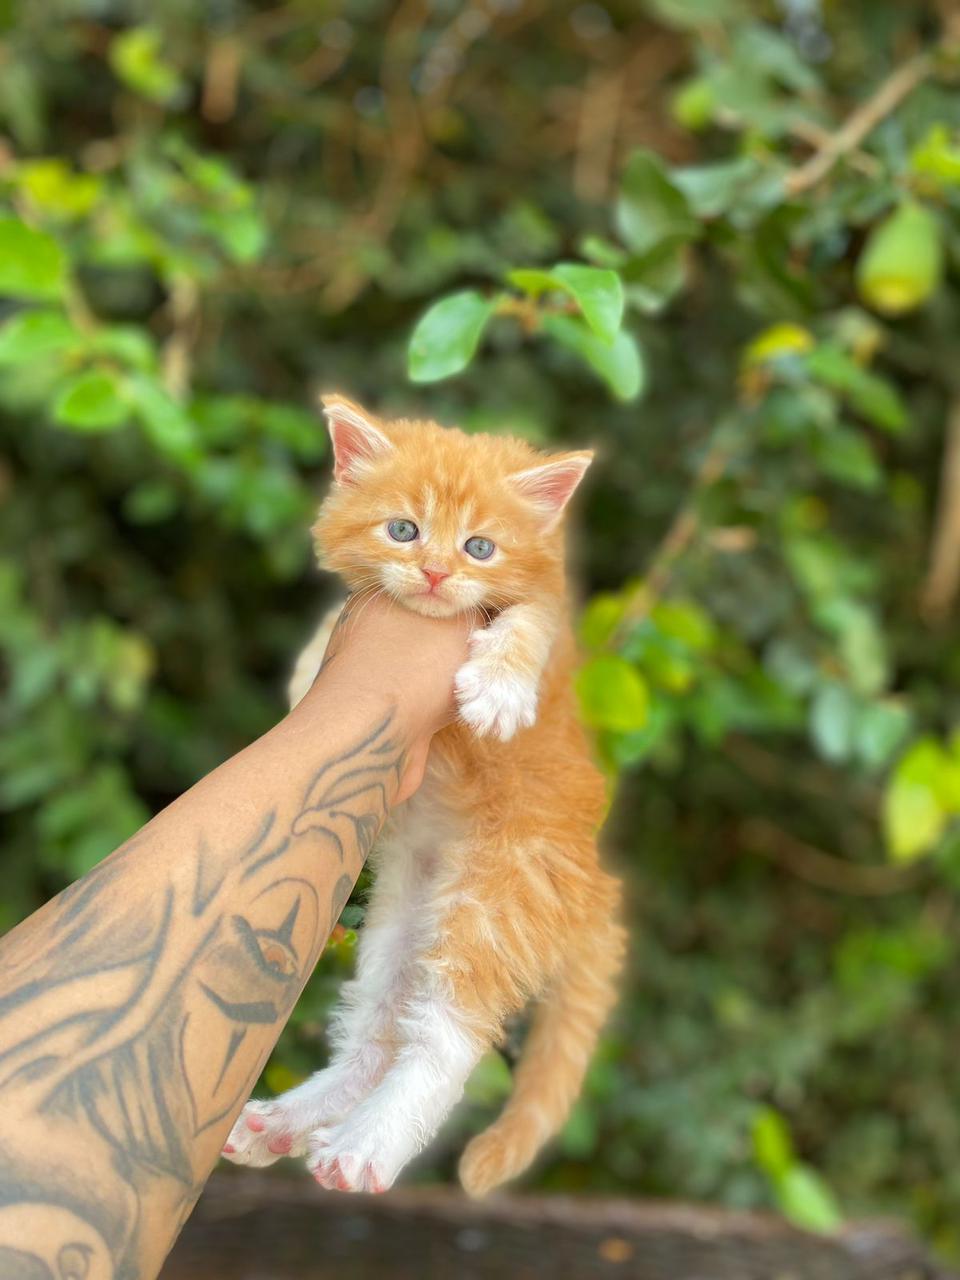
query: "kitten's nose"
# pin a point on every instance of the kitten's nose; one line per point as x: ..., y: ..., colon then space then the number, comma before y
x: 435, y: 577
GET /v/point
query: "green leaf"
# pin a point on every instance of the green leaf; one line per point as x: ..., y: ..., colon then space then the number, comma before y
x: 135, y: 56
x: 879, y: 730
x: 711, y: 189
x: 694, y: 14
x: 613, y: 695
x: 831, y: 722
x: 598, y: 294
x: 652, y: 211
x: 805, y: 1199
x: 845, y: 455
x: 619, y: 363
x: 165, y: 421
x: 446, y: 337
x: 861, y: 641
x: 921, y: 795
x: 533, y: 281
x: 937, y: 156
x: 32, y: 264
x: 35, y: 333
x: 57, y: 190
x: 652, y: 279
x: 693, y: 103
x: 92, y: 401
x: 869, y: 394
x: 772, y: 1144
x: 597, y: 291
x: 242, y: 233
x: 684, y: 621
x: 600, y: 619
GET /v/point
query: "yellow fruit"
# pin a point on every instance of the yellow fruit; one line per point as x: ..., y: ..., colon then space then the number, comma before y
x: 901, y: 265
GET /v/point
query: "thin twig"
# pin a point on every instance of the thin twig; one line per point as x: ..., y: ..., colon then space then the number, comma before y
x: 681, y: 533
x: 939, y: 590
x: 177, y: 359
x: 822, y: 869
x: 863, y: 121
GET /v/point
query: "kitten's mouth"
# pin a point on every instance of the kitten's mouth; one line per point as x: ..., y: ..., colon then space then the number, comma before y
x: 431, y: 604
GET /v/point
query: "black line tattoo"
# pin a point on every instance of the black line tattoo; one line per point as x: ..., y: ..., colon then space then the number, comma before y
x: 120, y: 1069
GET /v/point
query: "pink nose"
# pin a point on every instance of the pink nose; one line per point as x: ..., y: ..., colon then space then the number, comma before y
x: 435, y: 577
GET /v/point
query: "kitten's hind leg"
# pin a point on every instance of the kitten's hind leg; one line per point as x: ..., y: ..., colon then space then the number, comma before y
x: 364, y: 1036
x: 367, y: 1150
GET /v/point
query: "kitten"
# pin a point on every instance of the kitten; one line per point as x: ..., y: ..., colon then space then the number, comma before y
x: 488, y: 891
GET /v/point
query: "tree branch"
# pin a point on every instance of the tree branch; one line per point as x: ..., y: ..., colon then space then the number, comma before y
x: 862, y: 122
x: 939, y: 590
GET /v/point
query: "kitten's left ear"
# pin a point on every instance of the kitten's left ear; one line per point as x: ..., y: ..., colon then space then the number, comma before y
x: 356, y: 441
x: 550, y: 487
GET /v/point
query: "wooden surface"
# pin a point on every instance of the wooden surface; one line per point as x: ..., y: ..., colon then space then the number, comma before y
x: 251, y: 1226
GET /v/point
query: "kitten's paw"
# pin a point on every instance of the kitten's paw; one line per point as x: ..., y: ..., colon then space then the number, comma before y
x: 493, y: 699
x: 263, y: 1132
x: 347, y: 1158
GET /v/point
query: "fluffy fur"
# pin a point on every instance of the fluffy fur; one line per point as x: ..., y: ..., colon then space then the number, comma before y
x: 488, y: 891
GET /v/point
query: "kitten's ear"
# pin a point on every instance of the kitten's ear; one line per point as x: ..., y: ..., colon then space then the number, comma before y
x: 550, y: 487
x: 356, y: 441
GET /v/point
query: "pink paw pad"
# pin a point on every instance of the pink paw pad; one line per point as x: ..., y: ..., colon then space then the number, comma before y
x: 255, y: 1124
x: 229, y: 1149
x: 281, y: 1144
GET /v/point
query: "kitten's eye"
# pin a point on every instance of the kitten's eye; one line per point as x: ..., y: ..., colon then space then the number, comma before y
x: 479, y: 548
x: 402, y: 530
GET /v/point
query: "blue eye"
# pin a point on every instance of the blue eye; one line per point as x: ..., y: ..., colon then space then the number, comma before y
x: 479, y: 548
x: 402, y: 530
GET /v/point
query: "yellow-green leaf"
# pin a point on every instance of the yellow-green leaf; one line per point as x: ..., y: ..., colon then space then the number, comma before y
x: 613, y: 694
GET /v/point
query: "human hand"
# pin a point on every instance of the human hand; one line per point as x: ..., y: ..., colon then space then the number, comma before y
x: 382, y: 653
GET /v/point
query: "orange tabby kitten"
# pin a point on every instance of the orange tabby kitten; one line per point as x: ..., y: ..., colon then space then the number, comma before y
x: 488, y: 890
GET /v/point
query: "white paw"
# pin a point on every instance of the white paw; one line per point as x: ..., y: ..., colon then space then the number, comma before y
x: 363, y: 1153
x: 492, y: 698
x: 263, y: 1133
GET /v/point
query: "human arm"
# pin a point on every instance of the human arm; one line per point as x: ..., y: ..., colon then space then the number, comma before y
x: 137, y: 1008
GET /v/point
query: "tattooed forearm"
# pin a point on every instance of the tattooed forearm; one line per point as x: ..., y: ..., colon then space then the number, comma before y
x: 137, y: 1009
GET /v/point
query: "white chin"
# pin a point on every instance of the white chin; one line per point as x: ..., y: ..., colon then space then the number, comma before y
x: 431, y: 606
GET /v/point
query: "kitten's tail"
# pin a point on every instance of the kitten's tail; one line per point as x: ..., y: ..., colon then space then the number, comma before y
x: 555, y: 1057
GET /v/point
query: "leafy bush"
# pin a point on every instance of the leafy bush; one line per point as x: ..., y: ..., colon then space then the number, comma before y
x: 717, y: 237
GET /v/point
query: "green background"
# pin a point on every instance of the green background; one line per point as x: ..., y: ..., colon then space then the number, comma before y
x: 651, y: 242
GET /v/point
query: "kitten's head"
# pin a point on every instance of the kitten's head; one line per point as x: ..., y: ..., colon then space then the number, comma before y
x: 442, y: 521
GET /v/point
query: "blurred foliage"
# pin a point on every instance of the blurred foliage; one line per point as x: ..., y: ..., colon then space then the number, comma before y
x: 718, y: 238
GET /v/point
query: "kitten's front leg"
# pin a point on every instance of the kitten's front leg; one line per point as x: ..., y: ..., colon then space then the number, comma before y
x: 497, y: 688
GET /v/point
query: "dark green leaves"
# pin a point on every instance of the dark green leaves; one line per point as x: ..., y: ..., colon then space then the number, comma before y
x: 868, y: 393
x: 446, y: 337
x: 32, y: 264
x: 651, y: 210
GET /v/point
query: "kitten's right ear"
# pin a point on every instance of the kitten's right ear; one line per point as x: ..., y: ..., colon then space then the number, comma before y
x: 356, y: 441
